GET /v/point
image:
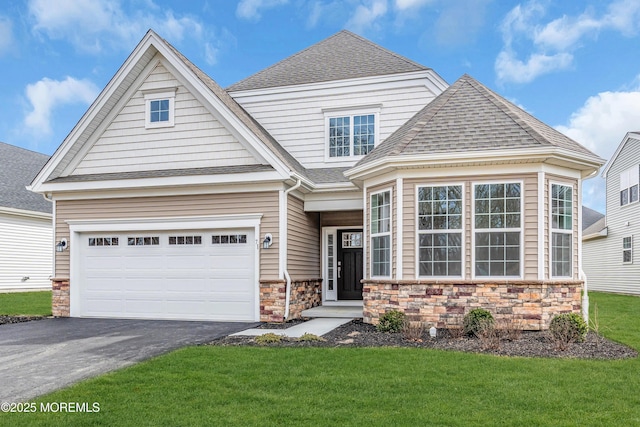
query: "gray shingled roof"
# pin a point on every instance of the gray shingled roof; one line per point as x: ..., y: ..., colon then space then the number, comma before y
x: 469, y: 117
x: 342, y: 56
x: 595, y: 228
x: 590, y: 217
x: 327, y: 175
x: 19, y: 167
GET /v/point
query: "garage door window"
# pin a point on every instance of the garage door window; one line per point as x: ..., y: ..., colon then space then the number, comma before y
x: 185, y: 240
x: 103, y: 241
x: 228, y: 239
x: 143, y: 241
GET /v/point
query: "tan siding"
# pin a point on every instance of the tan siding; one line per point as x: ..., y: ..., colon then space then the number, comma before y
x: 530, y: 240
x: 408, y: 231
x: 341, y: 219
x: 303, y: 240
x: 265, y: 203
x: 196, y: 140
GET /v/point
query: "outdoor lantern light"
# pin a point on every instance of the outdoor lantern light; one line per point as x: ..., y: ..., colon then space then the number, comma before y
x: 433, y: 331
x: 268, y: 239
x: 61, y: 245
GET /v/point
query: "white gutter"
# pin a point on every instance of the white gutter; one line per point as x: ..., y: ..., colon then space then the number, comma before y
x: 283, y: 238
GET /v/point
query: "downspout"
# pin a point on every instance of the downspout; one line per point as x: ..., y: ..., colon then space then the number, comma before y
x: 286, y: 272
x: 585, y: 298
x: 53, y: 232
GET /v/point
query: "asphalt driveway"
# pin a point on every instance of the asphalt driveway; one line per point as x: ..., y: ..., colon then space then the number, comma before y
x: 42, y: 356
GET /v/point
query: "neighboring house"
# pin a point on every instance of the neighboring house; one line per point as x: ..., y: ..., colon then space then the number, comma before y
x: 610, y: 259
x: 344, y: 172
x: 26, y: 228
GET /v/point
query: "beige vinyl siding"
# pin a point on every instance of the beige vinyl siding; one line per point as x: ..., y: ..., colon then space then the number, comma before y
x: 265, y: 203
x: 341, y: 219
x: 573, y: 183
x: 530, y: 221
x: 602, y: 260
x: 303, y: 241
x: 299, y: 123
x: 196, y: 140
x: 391, y: 185
x: 26, y: 250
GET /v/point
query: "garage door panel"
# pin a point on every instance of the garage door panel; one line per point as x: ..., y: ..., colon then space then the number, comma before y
x: 205, y: 281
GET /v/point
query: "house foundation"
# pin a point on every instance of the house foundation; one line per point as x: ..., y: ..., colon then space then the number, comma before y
x: 527, y: 305
x: 60, y: 299
x: 305, y: 294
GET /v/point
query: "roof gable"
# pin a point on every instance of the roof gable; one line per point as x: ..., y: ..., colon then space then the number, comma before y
x: 468, y: 117
x: 325, y: 61
x: 19, y: 166
x: 630, y: 136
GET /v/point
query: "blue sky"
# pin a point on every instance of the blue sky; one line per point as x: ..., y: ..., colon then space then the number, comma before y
x: 573, y: 64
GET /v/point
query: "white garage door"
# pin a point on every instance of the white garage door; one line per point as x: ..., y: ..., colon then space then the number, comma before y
x: 185, y: 275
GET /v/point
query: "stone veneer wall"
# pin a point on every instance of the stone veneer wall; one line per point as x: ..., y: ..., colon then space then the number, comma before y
x: 529, y: 305
x: 304, y: 294
x: 60, y: 297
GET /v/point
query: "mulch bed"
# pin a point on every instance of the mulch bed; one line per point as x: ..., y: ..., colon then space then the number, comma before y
x: 18, y: 319
x: 528, y: 344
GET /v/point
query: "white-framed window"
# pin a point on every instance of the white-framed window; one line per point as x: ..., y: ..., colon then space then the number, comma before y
x: 627, y: 250
x: 381, y: 234
x: 350, y: 134
x: 159, y: 109
x: 497, y: 229
x: 561, y: 230
x: 331, y: 255
x: 629, y: 185
x: 440, y: 230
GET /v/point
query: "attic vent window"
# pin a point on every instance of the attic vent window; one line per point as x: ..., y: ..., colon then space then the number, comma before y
x: 159, y: 109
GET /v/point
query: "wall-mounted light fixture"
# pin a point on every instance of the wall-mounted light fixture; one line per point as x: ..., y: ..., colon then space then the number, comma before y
x: 268, y: 240
x: 62, y: 245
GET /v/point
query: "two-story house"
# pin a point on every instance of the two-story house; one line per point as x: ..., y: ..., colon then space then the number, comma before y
x: 609, y: 259
x: 343, y: 173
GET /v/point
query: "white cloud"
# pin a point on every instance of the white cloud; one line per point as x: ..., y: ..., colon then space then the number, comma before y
x: 6, y: 34
x: 94, y: 26
x: 365, y: 16
x: 47, y: 94
x: 250, y: 9
x: 410, y: 4
x: 552, y: 44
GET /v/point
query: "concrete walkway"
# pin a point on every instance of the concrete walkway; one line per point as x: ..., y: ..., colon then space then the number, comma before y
x: 318, y: 326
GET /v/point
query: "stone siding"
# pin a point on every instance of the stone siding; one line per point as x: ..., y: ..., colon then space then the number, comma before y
x: 305, y: 294
x: 528, y: 305
x: 60, y: 302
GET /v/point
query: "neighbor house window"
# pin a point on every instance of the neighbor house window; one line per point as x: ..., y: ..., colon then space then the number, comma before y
x: 440, y: 230
x: 629, y: 185
x: 561, y: 230
x: 381, y: 234
x: 350, y: 134
x: 627, y: 250
x: 159, y: 109
x: 497, y: 229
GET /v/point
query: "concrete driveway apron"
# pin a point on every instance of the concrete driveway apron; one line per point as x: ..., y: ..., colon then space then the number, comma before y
x: 42, y: 356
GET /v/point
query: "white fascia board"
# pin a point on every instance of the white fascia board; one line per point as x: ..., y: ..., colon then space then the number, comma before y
x: 529, y: 155
x: 602, y: 233
x: 436, y: 84
x: 421, y: 78
x: 626, y: 138
x: 339, y: 186
x: 149, y: 41
x: 174, y: 181
x: 320, y: 202
x: 25, y: 213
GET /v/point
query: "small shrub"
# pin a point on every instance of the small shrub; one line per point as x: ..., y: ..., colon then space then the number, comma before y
x: 513, y: 331
x: 456, y: 332
x: 488, y: 335
x: 476, y: 320
x: 310, y: 337
x: 567, y: 328
x: 412, y: 330
x: 269, y: 338
x: 391, y: 321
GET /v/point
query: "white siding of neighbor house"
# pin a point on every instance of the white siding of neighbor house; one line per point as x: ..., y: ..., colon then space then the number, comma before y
x: 602, y: 257
x: 26, y: 251
x: 297, y: 121
x: 198, y: 139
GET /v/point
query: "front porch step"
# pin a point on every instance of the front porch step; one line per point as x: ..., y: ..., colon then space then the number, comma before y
x: 341, y: 311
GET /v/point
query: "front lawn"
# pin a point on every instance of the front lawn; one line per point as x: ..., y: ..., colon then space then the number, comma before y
x: 374, y: 386
x: 26, y: 303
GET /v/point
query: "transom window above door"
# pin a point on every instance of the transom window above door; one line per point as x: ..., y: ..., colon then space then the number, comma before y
x: 350, y: 135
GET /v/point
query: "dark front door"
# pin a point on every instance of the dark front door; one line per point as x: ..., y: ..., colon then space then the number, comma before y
x: 349, y: 264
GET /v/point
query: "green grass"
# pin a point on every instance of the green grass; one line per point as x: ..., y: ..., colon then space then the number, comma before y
x: 26, y: 303
x: 376, y: 386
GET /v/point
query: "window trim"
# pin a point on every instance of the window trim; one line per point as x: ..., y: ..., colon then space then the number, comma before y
x: 630, y: 183
x: 630, y: 249
x: 474, y: 230
x: 553, y: 230
x: 388, y: 233
x: 331, y: 113
x: 418, y: 232
x: 168, y: 94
